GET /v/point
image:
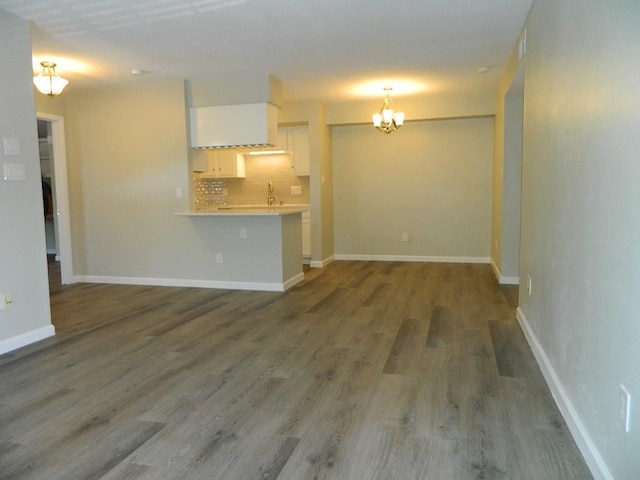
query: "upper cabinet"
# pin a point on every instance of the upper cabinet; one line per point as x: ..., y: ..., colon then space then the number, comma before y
x: 224, y: 164
x: 295, y: 140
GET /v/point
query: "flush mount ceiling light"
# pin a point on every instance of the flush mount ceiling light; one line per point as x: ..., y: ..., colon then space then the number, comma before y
x: 49, y: 82
x: 387, y: 121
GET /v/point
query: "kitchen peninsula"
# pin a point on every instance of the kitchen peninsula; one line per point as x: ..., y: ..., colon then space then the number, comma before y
x: 249, y: 247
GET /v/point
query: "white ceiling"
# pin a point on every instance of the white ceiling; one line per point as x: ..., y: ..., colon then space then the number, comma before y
x: 321, y: 49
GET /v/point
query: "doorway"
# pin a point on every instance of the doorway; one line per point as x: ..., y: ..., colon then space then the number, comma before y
x: 46, y: 172
x: 513, y: 113
x: 54, y: 169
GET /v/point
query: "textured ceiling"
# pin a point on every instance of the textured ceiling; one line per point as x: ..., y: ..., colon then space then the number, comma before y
x: 320, y: 49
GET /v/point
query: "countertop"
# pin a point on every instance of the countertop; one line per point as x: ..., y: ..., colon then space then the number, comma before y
x: 246, y: 210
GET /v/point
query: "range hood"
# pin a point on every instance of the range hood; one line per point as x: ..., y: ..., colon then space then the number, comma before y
x: 234, y: 126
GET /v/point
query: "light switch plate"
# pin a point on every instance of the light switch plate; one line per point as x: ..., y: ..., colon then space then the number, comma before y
x: 296, y: 190
x: 6, y: 300
x: 14, y: 171
x: 11, y: 146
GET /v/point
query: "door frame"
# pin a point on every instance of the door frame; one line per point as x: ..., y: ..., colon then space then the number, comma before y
x: 61, y: 192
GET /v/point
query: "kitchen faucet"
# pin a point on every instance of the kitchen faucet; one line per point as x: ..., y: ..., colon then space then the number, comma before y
x: 270, y: 197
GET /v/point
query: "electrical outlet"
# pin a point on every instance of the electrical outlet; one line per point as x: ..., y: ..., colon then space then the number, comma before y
x: 405, y: 237
x: 219, y: 257
x: 624, y: 408
x: 529, y: 284
x: 243, y: 232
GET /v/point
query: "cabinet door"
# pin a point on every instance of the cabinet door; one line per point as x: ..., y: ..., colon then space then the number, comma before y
x: 200, y: 161
x: 212, y: 165
x: 299, y: 146
x: 283, y: 139
x: 229, y: 163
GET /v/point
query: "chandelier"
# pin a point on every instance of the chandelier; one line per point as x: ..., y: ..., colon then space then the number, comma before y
x: 49, y: 82
x: 387, y: 121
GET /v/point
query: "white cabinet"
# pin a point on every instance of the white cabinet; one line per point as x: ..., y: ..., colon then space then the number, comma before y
x: 295, y: 140
x: 306, y: 235
x: 224, y: 164
x: 283, y: 139
x: 233, y: 125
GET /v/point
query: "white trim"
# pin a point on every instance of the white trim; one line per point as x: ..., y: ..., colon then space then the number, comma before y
x: 293, y: 281
x: 25, y: 339
x: 578, y: 430
x: 410, y: 258
x: 63, y: 214
x: 509, y: 280
x: 496, y: 270
x: 181, y: 282
x: 503, y: 280
x: 322, y: 263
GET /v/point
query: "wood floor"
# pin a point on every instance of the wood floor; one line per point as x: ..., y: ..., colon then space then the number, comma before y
x: 387, y: 371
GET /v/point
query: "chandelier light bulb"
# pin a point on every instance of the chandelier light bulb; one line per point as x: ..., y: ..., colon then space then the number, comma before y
x: 387, y: 115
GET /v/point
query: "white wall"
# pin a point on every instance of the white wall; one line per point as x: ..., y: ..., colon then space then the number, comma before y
x: 232, y: 88
x: 128, y: 150
x: 429, y: 179
x: 23, y: 264
x: 512, y: 187
x: 128, y: 154
x: 580, y: 210
x: 507, y: 171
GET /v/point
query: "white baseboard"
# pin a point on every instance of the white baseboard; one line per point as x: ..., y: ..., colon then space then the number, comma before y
x: 322, y: 263
x: 579, y: 432
x: 179, y: 282
x: 509, y: 280
x: 410, y: 258
x: 26, y: 339
x: 293, y: 281
x: 501, y: 279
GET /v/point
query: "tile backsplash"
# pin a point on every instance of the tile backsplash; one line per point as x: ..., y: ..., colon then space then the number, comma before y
x: 252, y: 190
